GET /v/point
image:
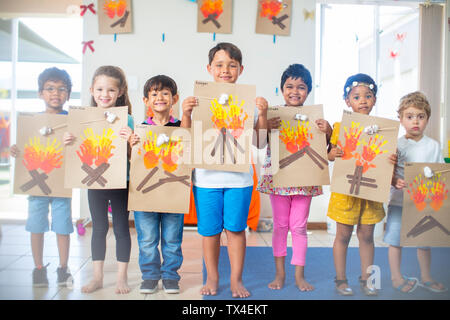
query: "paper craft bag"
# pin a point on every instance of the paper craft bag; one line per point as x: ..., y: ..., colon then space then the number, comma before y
x: 364, y: 170
x: 274, y: 17
x: 39, y: 169
x: 114, y: 16
x: 301, y: 159
x: 98, y: 157
x: 222, y: 133
x: 153, y: 167
x: 214, y: 16
x: 426, y: 206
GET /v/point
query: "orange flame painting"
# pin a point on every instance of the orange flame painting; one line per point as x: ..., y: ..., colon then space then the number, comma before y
x: 212, y: 7
x: 418, y: 192
x: 295, y: 138
x: 168, y: 153
x: 438, y: 192
x: 231, y: 116
x: 271, y: 8
x: 113, y: 7
x: 370, y: 150
x: 96, y: 149
x: 351, y: 140
x: 45, y: 157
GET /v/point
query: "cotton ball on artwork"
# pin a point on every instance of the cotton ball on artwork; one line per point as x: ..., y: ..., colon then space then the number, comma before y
x: 371, y: 129
x: 301, y: 117
x: 45, y: 131
x: 428, y: 172
x: 110, y: 117
x: 162, y: 138
x: 223, y: 98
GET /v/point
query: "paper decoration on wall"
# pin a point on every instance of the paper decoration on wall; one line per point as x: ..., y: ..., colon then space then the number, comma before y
x: 400, y: 36
x: 39, y: 169
x: 426, y: 206
x: 225, y: 113
x: 97, y: 159
x: 84, y: 8
x: 160, y: 181
x: 309, y: 14
x: 88, y: 44
x: 366, y: 142
x: 114, y: 16
x: 393, y: 54
x: 214, y: 16
x: 301, y: 159
x: 274, y: 17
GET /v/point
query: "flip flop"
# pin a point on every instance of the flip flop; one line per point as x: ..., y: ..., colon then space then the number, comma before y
x: 405, y: 283
x: 429, y: 286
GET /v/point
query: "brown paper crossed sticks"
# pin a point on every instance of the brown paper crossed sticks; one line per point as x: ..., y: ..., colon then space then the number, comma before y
x: 121, y: 21
x: 222, y: 141
x: 172, y: 178
x: 278, y: 21
x: 310, y: 152
x: 425, y: 224
x: 37, y: 179
x: 356, y: 180
x: 95, y: 175
x: 213, y: 18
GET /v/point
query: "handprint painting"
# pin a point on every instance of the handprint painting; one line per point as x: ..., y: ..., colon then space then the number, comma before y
x: 159, y: 179
x: 426, y: 206
x: 298, y: 148
x: 98, y: 157
x: 114, y: 16
x: 214, y: 16
x: 39, y: 168
x: 361, y: 171
x: 274, y: 17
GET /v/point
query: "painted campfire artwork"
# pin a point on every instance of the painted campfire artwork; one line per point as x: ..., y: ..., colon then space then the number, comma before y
x: 97, y: 158
x: 214, y: 16
x: 160, y: 180
x: 114, y: 16
x: 225, y: 117
x: 426, y: 207
x: 301, y: 159
x: 366, y: 142
x: 39, y: 168
x: 274, y: 17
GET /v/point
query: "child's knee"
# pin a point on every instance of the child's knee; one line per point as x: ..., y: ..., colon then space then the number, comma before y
x: 299, y: 231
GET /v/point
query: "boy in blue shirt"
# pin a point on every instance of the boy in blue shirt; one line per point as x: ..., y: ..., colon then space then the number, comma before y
x: 55, y: 86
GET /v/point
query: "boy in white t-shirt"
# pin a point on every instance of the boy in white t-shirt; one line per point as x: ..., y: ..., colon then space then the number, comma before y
x: 414, y: 146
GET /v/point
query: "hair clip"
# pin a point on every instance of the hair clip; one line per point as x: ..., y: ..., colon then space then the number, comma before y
x: 301, y: 117
x: 162, y: 138
x: 356, y: 83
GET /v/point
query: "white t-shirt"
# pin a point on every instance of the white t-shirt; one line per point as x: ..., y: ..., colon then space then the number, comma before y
x: 424, y: 150
x: 204, y: 178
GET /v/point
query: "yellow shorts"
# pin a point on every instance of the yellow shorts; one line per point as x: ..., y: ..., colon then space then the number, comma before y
x: 352, y: 211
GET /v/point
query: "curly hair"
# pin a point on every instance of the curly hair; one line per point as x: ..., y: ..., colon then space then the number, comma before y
x: 416, y: 100
x: 55, y: 74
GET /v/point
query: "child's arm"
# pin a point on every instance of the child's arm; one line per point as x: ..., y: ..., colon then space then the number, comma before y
x: 261, y: 124
x: 334, y: 152
x: 325, y: 127
x: 134, y: 139
x: 125, y: 133
x: 188, y: 105
x: 14, y: 151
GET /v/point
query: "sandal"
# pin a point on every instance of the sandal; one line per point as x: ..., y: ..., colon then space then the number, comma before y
x: 429, y: 286
x: 367, y: 291
x: 406, y: 283
x: 343, y: 292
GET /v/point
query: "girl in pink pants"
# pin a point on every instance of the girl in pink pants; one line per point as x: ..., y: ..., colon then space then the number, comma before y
x: 290, y: 206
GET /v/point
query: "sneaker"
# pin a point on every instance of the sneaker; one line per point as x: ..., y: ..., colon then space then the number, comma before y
x: 40, y: 277
x: 170, y: 286
x: 148, y: 286
x: 64, y: 277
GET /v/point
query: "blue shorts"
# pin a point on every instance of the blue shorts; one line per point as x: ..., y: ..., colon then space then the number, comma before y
x: 38, y: 208
x: 219, y: 208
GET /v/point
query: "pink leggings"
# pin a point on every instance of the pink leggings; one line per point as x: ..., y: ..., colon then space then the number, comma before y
x: 290, y: 213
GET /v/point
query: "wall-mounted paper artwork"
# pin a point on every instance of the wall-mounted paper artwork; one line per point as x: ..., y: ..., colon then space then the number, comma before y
x: 114, y: 16
x: 214, y: 16
x: 364, y: 170
x: 98, y: 157
x: 225, y: 117
x: 426, y: 206
x: 39, y: 169
x: 160, y: 180
x: 274, y: 17
x: 301, y: 159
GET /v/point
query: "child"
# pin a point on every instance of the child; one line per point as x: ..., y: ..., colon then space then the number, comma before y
x: 222, y: 199
x: 414, y: 146
x: 55, y: 86
x: 109, y: 89
x: 160, y: 93
x: 290, y: 206
x: 360, y: 95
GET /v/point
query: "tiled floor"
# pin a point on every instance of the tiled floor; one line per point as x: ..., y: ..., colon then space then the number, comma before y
x: 16, y: 265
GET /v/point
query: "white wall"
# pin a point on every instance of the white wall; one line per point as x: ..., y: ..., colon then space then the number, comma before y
x: 184, y: 54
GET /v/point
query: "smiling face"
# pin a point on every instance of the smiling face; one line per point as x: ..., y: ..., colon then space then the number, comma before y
x: 54, y: 94
x: 105, y: 91
x: 295, y: 91
x: 223, y: 68
x: 160, y: 101
x: 414, y: 120
x: 361, y: 99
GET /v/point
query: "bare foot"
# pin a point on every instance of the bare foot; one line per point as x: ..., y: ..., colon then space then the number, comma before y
x: 95, y: 284
x: 303, y: 285
x: 238, y: 290
x: 209, y: 289
x: 122, y: 287
x: 278, y: 282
